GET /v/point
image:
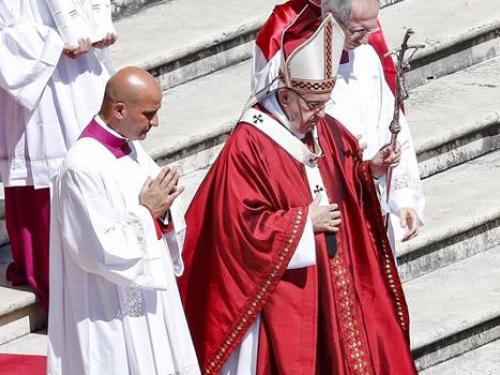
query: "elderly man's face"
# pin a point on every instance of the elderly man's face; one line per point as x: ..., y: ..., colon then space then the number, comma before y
x: 304, y: 110
x: 363, y: 22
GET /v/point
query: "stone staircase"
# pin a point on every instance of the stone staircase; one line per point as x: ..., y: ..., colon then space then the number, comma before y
x: 200, y: 55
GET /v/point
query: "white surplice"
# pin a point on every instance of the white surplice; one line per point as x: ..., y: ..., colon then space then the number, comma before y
x: 82, y: 19
x: 114, y: 302
x: 46, y: 98
x: 364, y: 104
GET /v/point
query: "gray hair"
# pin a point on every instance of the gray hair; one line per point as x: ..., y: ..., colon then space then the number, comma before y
x: 341, y: 9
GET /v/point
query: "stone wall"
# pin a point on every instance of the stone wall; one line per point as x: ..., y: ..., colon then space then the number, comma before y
x: 120, y: 7
x: 385, y: 3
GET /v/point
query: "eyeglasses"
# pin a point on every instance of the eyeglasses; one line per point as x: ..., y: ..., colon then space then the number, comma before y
x: 359, y: 33
x: 314, y: 107
x: 356, y: 33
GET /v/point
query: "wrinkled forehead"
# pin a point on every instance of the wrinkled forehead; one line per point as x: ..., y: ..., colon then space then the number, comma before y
x: 317, y: 97
x: 364, y: 11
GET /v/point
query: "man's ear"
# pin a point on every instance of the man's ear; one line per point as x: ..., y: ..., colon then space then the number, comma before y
x: 120, y: 110
x: 284, y: 97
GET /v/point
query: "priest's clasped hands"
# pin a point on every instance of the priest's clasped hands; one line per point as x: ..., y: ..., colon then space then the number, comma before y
x: 159, y: 193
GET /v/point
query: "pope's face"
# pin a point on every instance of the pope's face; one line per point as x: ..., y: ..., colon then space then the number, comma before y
x: 304, y: 110
x: 363, y: 22
x: 141, y: 115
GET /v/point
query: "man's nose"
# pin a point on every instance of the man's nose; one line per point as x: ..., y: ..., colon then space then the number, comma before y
x: 321, y: 113
x: 154, y: 121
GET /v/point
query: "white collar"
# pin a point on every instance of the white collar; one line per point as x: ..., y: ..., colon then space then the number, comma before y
x: 270, y: 102
x: 101, y: 122
x: 282, y: 136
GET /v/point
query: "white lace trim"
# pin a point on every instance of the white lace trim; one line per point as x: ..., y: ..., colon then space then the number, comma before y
x: 405, y: 182
x: 134, y: 300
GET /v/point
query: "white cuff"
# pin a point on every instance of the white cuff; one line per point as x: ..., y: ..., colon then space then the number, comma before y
x: 305, y: 253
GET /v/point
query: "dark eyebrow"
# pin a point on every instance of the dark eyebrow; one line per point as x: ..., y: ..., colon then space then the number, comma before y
x: 317, y: 103
x: 149, y: 112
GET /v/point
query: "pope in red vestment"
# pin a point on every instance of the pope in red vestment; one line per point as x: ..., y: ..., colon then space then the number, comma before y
x: 342, y: 313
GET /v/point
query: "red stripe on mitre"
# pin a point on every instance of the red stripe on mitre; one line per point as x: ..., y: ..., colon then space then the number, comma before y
x: 270, y: 35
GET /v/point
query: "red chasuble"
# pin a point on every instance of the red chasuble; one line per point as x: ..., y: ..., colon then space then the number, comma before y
x: 345, y: 315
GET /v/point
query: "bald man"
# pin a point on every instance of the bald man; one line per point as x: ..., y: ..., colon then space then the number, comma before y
x: 117, y: 231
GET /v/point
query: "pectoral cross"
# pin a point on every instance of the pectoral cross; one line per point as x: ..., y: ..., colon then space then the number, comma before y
x: 257, y: 119
x: 318, y: 189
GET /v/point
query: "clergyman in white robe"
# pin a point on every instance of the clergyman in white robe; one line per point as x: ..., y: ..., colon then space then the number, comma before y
x: 46, y: 98
x: 114, y: 305
x: 364, y: 104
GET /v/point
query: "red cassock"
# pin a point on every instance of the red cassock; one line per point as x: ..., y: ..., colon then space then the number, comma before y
x: 344, y: 315
x: 269, y: 37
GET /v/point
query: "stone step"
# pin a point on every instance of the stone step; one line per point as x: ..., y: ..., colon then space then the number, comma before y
x: 462, y: 217
x: 453, y: 119
x: 178, y: 41
x: 457, y: 34
x: 483, y: 360
x: 456, y: 118
x: 19, y: 314
x: 196, y: 117
x: 455, y: 309
x: 19, y: 311
x: 120, y: 8
x: 32, y: 344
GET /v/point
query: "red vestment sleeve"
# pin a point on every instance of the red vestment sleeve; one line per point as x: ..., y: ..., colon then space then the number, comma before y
x: 160, y: 227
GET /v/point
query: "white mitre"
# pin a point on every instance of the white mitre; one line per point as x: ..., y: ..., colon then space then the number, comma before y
x: 311, y: 55
x: 76, y: 19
